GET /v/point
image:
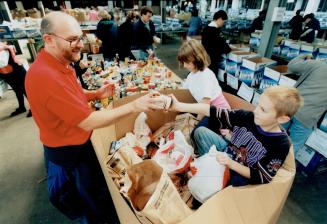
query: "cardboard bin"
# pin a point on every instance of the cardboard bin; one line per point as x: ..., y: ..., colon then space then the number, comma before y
x: 249, y: 204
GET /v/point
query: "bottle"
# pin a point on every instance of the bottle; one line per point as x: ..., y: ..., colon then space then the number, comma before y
x: 117, y: 60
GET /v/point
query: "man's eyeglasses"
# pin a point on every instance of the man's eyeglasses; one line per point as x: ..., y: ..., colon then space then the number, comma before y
x: 72, y: 42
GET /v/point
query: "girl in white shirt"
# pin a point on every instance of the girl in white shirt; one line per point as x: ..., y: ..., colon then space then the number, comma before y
x: 201, y: 81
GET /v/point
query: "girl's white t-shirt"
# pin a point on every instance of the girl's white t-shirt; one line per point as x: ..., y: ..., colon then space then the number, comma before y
x: 203, y: 84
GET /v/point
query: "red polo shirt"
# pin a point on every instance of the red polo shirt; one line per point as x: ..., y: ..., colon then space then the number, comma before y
x: 57, y: 102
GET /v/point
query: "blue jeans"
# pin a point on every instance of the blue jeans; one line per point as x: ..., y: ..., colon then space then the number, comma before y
x: 204, y: 138
x: 298, y: 133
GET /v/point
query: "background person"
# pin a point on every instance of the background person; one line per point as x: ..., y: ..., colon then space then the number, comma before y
x: 107, y: 32
x: 296, y: 25
x: 213, y: 41
x: 312, y: 86
x: 144, y: 32
x: 14, y: 74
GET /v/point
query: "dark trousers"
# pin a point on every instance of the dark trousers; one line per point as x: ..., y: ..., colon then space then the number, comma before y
x: 16, y: 80
x: 76, y: 184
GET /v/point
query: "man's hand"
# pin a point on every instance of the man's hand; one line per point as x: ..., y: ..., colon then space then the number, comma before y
x: 156, y: 40
x: 106, y: 91
x: 223, y: 159
x: 147, y: 103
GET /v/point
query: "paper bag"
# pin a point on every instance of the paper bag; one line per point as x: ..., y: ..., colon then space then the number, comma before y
x: 164, y: 206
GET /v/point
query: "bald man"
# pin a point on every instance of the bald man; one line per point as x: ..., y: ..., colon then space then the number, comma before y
x: 61, y: 112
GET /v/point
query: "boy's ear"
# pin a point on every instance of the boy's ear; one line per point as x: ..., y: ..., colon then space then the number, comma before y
x: 283, y: 119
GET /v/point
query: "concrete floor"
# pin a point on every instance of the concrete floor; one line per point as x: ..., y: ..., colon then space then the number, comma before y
x: 23, y: 194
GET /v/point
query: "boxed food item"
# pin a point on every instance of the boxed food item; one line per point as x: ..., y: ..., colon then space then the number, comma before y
x: 240, y: 47
x: 306, y: 49
x: 231, y: 205
x: 287, y: 80
x: 251, y: 71
x: 322, y: 53
x: 272, y: 75
x: 234, y: 61
x: 285, y: 47
x: 5, y: 32
x: 255, y: 39
x: 293, y: 50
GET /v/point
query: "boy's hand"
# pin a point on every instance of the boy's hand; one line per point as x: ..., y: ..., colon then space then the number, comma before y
x: 147, y: 102
x: 223, y: 159
x: 174, y: 104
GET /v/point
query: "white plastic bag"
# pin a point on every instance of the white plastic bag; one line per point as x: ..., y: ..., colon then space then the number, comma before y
x: 210, y: 176
x: 142, y: 131
x: 4, y: 58
x: 175, y: 155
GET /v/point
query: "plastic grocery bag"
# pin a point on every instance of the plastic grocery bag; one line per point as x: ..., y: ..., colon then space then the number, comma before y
x: 210, y: 176
x: 175, y: 155
x: 142, y: 131
x: 152, y: 194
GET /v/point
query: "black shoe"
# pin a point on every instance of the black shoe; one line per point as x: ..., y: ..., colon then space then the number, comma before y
x: 18, y: 111
x: 29, y: 114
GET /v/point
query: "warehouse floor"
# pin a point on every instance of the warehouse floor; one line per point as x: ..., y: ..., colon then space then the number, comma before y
x: 23, y: 191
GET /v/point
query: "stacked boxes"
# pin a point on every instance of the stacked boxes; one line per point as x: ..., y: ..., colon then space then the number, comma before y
x: 251, y: 71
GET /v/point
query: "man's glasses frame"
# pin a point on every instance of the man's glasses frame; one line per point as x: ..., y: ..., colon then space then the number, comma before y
x: 72, y: 43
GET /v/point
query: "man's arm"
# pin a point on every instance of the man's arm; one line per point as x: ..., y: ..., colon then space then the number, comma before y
x: 299, y: 64
x: 99, y: 119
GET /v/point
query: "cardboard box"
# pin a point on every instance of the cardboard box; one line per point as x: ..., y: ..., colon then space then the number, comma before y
x: 285, y: 47
x: 255, y: 38
x: 306, y: 49
x: 247, y: 205
x: 5, y: 32
x: 240, y: 47
x: 322, y: 53
x: 288, y: 80
x: 234, y: 61
x: 251, y: 71
x: 272, y: 75
x: 294, y: 50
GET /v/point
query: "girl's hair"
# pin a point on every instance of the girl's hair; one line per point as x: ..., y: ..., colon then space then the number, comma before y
x: 192, y: 51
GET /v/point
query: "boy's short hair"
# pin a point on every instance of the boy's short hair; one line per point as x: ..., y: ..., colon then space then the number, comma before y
x: 287, y: 100
x: 145, y: 10
x: 193, y: 51
x: 220, y: 14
